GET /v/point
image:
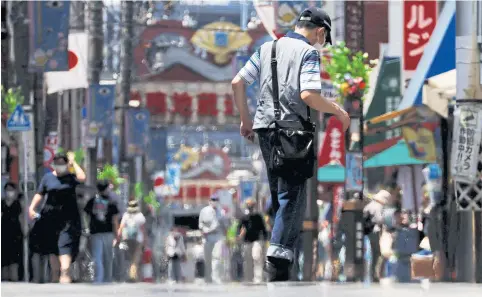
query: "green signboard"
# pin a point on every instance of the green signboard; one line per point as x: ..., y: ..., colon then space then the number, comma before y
x: 386, y: 98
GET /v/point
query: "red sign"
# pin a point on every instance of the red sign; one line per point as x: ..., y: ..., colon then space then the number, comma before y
x: 333, y: 149
x: 420, y: 18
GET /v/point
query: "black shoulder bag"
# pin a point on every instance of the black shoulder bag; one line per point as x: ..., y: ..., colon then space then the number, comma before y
x: 293, y: 153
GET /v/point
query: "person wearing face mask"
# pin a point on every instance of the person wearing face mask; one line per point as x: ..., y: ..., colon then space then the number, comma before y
x: 11, y: 233
x: 210, y: 226
x: 297, y: 57
x: 252, y: 231
x: 104, y: 223
x: 57, y: 228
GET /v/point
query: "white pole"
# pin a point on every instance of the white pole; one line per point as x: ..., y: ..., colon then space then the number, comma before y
x: 25, y: 209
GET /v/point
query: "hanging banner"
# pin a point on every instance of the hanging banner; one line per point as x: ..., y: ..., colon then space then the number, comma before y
x: 247, y: 191
x: 49, y: 31
x: 100, y: 110
x: 137, y: 131
x: 354, y: 25
x: 420, y: 143
x: 173, y: 179
x: 336, y: 208
x: 419, y: 20
x: 157, y: 157
x: 354, y: 172
x: 265, y: 11
x: 333, y: 149
x: 465, y: 147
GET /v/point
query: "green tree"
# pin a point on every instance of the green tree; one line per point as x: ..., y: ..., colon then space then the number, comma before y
x: 10, y: 99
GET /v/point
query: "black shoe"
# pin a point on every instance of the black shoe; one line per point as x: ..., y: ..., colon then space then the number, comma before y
x: 278, y: 273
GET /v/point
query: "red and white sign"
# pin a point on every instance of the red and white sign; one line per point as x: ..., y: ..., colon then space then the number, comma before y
x: 420, y: 18
x: 158, y: 182
x: 333, y: 149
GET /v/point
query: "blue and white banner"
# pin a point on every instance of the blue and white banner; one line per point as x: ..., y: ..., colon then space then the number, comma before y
x: 100, y: 110
x: 49, y: 32
x: 137, y: 131
x: 247, y: 190
x: 173, y: 178
x: 354, y: 172
x: 157, y: 156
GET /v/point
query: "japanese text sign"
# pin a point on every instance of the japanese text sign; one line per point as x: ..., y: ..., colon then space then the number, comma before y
x: 466, y: 145
x: 333, y: 150
x: 420, y: 18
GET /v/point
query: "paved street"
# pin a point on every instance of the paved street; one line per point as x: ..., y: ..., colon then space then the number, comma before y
x: 235, y: 290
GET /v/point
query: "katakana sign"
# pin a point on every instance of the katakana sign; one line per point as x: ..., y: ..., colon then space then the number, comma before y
x: 420, y: 18
x: 466, y: 143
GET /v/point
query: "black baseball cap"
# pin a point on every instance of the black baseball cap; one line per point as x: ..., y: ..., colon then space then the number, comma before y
x: 319, y: 18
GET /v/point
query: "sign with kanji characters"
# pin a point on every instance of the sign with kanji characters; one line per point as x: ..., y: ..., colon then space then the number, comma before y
x: 333, y: 149
x: 354, y: 172
x: 420, y: 18
x: 354, y: 34
x: 466, y: 143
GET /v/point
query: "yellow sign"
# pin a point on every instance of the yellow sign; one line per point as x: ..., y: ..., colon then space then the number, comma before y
x: 420, y: 143
x: 187, y: 157
x: 220, y: 39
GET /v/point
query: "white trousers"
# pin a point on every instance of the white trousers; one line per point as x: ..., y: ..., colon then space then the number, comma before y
x: 253, y: 256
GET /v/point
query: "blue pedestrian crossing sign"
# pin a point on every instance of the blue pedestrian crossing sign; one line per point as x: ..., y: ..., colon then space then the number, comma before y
x: 19, y: 121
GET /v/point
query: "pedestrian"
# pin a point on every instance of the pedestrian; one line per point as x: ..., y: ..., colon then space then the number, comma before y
x: 103, y: 227
x: 210, y: 226
x: 294, y: 62
x: 57, y: 229
x: 373, y: 214
x: 12, y: 235
x: 176, y: 251
x: 133, y: 237
x: 253, y: 233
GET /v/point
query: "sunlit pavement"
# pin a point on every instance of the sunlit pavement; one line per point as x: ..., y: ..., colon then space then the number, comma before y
x: 245, y: 290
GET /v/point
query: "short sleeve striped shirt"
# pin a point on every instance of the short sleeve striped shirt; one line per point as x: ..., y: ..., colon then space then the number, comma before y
x: 310, y: 71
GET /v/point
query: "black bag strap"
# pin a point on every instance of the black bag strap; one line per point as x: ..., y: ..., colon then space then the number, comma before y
x: 274, y: 79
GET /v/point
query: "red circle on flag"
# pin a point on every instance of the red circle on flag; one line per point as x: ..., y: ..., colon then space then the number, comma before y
x: 73, y: 60
x: 158, y: 181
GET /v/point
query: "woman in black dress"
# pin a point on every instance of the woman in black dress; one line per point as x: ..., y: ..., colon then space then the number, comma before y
x: 58, y: 227
x: 11, y: 233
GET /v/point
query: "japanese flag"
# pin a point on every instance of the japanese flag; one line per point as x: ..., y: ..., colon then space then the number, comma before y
x: 76, y: 77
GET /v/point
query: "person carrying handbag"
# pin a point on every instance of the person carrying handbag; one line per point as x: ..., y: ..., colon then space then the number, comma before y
x: 288, y: 70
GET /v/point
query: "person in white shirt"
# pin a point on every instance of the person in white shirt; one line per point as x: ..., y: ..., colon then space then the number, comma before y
x: 176, y: 251
x: 210, y: 226
x: 132, y: 236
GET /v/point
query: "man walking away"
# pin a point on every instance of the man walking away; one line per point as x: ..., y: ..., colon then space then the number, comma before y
x: 210, y: 226
x: 252, y: 231
x: 104, y: 223
x: 297, y: 60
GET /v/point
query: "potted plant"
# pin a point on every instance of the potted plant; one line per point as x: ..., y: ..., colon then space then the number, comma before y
x: 349, y: 73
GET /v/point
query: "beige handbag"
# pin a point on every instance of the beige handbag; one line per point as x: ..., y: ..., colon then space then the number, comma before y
x: 386, y: 243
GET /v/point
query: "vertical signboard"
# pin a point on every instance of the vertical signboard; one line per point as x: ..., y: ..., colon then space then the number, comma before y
x: 100, y: 110
x: 465, y: 147
x: 333, y: 149
x: 419, y: 20
x: 354, y: 171
x: 49, y: 31
x: 137, y: 131
x: 354, y: 35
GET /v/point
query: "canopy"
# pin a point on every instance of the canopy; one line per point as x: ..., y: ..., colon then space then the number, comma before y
x: 439, y: 91
x: 396, y: 155
x: 438, y: 56
x: 331, y: 173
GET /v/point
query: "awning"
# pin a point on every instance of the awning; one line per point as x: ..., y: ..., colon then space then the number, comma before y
x: 331, y: 173
x: 438, y: 57
x: 439, y: 91
x: 397, y: 155
x: 389, y: 116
